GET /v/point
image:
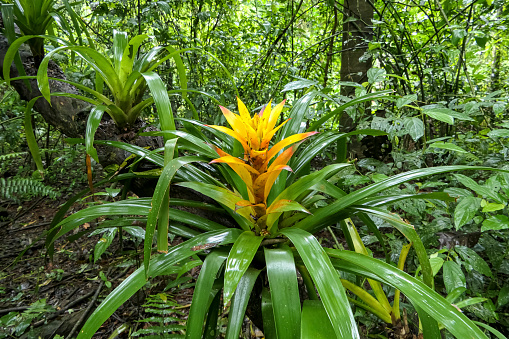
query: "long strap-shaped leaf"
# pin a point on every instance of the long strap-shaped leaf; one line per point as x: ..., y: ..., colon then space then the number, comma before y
x: 327, y: 282
x: 94, y: 119
x: 161, y: 190
x: 284, y: 289
x: 315, y: 322
x: 239, y: 303
x: 201, y: 295
x: 327, y: 215
x: 161, y: 100
x: 29, y: 133
x: 420, y: 294
x: 239, y: 259
x: 160, y: 265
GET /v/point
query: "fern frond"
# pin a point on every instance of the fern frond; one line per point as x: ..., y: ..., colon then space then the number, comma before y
x: 15, y: 188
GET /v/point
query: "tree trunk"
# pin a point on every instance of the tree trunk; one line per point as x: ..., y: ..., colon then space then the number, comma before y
x: 356, y: 35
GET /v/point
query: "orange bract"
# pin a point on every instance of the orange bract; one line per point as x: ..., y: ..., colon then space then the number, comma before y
x: 254, y: 134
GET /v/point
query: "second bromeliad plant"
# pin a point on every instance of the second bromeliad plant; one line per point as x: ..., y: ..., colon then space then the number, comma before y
x: 276, y: 215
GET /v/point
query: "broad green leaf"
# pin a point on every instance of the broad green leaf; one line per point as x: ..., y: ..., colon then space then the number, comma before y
x: 407, y: 99
x: 473, y: 259
x: 439, y: 114
x: 315, y: 323
x: 119, y: 45
x: 488, y: 327
x: 466, y: 210
x: 327, y: 282
x: 436, y: 264
x: 239, y: 259
x: 448, y: 146
x: 453, y: 276
x: 376, y: 75
x: 482, y: 190
x: 202, y: 293
x: 497, y: 222
x: 455, y: 294
x: 240, y: 301
x: 499, y: 133
x: 492, y: 207
x: 160, y: 265
x: 284, y: 205
x: 420, y: 294
x: 284, y: 289
x: 414, y: 127
x: 104, y: 242
x: 94, y: 119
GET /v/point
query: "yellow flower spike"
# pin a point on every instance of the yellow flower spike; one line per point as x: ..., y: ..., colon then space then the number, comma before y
x: 265, y: 181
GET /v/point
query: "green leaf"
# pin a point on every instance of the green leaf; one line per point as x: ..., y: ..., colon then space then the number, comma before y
x: 376, y: 75
x: 473, y: 259
x: 420, y: 294
x: 440, y: 114
x: 239, y: 259
x: 453, y: 276
x: 482, y: 190
x: 499, y: 133
x: 407, y: 99
x: 94, y: 119
x: 160, y: 265
x: 159, y: 197
x: 284, y: 289
x: 436, y: 264
x: 202, y: 293
x: 103, y: 243
x: 31, y: 140
x: 492, y: 207
x: 497, y: 222
x: 448, y: 146
x: 161, y: 99
x: 466, y: 210
x: 269, y: 327
x: 315, y: 323
x: 414, y: 127
x: 239, y: 303
x: 470, y: 301
x: 327, y: 282
x: 299, y: 84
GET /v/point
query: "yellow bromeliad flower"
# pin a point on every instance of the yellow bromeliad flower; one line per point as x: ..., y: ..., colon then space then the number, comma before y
x: 255, y: 134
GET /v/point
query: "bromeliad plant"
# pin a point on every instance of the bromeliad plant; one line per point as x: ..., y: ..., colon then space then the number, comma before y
x: 251, y: 265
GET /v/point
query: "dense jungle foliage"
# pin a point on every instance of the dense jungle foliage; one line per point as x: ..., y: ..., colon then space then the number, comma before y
x: 254, y: 169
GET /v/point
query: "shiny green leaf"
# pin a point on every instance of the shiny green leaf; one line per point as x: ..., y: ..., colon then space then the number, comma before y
x: 94, y: 119
x: 239, y: 303
x: 202, y: 293
x: 315, y: 322
x: 453, y: 276
x: 466, y: 210
x: 473, y: 259
x: 326, y: 280
x: 239, y: 259
x: 420, y: 294
x: 284, y: 289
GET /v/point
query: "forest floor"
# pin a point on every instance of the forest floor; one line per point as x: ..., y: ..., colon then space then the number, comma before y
x: 40, y: 297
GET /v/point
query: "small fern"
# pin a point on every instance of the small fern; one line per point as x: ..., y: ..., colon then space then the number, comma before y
x: 15, y: 188
x: 4, y: 157
x: 163, y: 323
